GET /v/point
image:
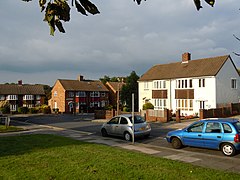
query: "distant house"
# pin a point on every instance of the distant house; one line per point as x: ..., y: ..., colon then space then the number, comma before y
x: 21, y: 95
x: 191, y: 85
x: 114, y: 92
x: 74, y: 96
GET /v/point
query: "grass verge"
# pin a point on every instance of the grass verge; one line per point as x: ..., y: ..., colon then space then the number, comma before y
x: 4, y: 129
x: 55, y: 157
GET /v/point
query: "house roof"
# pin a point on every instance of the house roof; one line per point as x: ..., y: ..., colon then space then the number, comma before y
x: 76, y: 85
x: 15, y: 89
x: 193, y: 68
x: 115, y: 85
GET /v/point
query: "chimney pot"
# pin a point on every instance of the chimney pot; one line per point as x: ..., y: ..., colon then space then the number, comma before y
x: 186, y: 57
x: 20, y: 82
x: 80, y: 78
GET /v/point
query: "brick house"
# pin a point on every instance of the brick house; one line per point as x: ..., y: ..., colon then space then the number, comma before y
x: 191, y: 85
x: 21, y: 95
x: 75, y: 96
x: 114, y: 92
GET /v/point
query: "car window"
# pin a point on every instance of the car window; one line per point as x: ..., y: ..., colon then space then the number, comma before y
x: 213, y: 127
x: 114, y: 120
x: 227, y: 128
x: 137, y: 119
x: 237, y: 125
x: 123, y: 121
x: 197, y: 127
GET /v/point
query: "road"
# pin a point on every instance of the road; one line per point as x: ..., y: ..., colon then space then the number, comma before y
x: 84, y: 124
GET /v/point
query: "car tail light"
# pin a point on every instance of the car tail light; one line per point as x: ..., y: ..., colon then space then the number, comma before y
x: 237, y: 138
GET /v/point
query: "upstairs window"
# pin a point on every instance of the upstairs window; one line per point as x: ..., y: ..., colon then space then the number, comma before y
x: 81, y: 94
x: 145, y: 85
x: 95, y: 94
x: 70, y: 94
x: 234, y: 83
x: 201, y: 82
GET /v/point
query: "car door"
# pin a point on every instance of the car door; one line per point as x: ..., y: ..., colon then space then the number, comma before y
x: 212, y: 135
x: 112, y: 126
x: 192, y: 136
x: 123, y: 126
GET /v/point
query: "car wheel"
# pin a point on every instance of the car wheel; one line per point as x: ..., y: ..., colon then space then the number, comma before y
x: 104, y: 133
x: 228, y: 149
x: 127, y: 136
x: 176, y: 143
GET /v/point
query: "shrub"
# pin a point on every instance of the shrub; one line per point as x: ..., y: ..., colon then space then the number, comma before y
x: 148, y: 106
x: 33, y: 110
x: 23, y: 110
x: 5, y: 109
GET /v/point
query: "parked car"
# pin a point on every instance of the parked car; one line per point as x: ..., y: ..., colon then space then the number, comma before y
x: 213, y: 133
x: 121, y: 125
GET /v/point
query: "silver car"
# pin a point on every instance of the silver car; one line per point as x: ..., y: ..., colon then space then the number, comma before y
x: 121, y: 125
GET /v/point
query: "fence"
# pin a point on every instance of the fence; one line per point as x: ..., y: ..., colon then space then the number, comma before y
x: 5, y: 120
x: 156, y: 115
x: 227, y: 111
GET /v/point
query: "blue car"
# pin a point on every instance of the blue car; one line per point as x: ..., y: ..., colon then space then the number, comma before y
x: 213, y: 133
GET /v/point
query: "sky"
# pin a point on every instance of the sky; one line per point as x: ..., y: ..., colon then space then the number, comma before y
x: 123, y: 38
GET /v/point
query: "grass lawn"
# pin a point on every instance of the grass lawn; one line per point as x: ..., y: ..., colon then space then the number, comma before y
x: 55, y: 157
x: 3, y: 129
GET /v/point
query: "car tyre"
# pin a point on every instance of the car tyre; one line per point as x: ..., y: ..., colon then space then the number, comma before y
x: 127, y: 136
x: 176, y: 143
x: 228, y: 149
x: 104, y: 133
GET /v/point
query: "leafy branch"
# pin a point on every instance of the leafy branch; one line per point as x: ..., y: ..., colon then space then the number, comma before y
x: 57, y: 11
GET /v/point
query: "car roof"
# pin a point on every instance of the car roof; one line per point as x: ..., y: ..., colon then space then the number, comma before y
x: 229, y: 120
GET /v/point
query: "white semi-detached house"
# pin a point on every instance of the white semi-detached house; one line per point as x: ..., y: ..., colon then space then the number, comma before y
x: 191, y: 85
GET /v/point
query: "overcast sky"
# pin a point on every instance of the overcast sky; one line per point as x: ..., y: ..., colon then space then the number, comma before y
x: 123, y: 38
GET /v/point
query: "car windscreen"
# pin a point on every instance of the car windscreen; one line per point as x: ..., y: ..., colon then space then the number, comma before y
x: 137, y: 119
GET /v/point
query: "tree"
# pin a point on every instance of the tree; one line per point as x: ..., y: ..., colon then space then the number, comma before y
x: 57, y: 11
x: 130, y: 87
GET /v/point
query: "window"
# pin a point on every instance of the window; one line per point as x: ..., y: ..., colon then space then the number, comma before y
x: 70, y: 94
x: 55, y: 93
x: 227, y: 128
x: 103, y: 94
x: 184, y: 104
x: 201, y: 82
x: 12, y: 97
x: 38, y: 97
x: 197, y: 127
x: 190, y: 83
x: 123, y: 121
x: 146, y: 85
x: 234, y: 83
x: 159, y: 84
x: 2, y: 97
x: 159, y: 104
x: 213, y: 127
x: 81, y: 94
x: 95, y: 94
x: 28, y: 97
x: 114, y: 120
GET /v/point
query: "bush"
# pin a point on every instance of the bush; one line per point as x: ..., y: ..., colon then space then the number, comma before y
x: 126, y: 109
x: 148, y: 106
x: 45, y: 109
x: 5, y: 109
x: 33, y: 110
x: 23, y: 110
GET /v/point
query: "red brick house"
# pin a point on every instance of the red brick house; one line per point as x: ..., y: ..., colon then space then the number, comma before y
x: 114, y: 92
x: 75, y: 96
x: 21, y: 95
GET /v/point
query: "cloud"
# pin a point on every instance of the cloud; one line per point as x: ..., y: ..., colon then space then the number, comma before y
x: 124, y: 37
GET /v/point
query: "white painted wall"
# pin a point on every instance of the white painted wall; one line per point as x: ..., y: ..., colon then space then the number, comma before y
x: 225, y: 93
x: 144, y: 93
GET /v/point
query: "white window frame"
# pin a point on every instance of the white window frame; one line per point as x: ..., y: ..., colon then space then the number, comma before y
x: 234, y: 83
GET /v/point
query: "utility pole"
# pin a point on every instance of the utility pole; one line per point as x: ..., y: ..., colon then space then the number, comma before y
x: 118, y: 100
x: 133, y: 118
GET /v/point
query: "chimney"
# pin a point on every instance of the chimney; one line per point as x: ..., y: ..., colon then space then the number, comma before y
x: 80, y: 78
x: 186, y: 57
x: 20, y: 82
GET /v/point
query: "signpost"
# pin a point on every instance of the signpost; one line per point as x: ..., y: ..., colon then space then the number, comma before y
x: 133, y: 117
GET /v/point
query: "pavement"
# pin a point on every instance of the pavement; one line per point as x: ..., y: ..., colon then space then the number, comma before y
x: 219, y: 162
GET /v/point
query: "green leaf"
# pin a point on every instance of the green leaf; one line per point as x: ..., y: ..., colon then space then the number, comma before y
x: 89, y: 7
x: 210, y: 2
